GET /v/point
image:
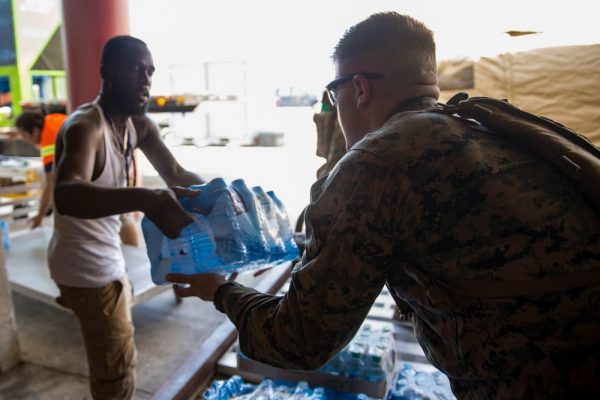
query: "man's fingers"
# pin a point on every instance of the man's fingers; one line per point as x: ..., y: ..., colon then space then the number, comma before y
x: 232, y: 277
x: 34, y: 222
x: 171, y: 234
x: 178, y: 278
x: 185, y: 192
x: 261, y: 271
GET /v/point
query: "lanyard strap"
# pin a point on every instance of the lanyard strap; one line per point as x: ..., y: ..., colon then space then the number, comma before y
x: 127, y: 151
x: 129, y: 158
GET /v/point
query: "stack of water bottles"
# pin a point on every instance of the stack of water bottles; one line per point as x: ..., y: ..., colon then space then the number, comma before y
x: 370, y: 356
x: 235, y: 388
x: 235, y: 228
x: 412, y: 384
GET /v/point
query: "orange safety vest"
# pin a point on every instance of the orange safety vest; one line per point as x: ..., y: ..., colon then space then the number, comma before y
x: 52, y: 124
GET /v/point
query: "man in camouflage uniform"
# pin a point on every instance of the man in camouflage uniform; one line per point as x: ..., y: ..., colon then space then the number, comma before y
x: 482, y: 242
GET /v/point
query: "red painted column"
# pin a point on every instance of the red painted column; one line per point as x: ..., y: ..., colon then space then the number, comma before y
x: 87, y: 24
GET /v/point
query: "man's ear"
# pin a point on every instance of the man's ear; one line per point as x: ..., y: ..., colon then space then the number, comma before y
x: 361, y: 90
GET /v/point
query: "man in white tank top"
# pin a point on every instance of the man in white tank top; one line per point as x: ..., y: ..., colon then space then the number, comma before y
x: 94, y: 152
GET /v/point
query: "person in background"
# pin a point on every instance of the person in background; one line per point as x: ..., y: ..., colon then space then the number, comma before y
x: 40, y: 130
x: 494, y: 252
x: 92, y: 187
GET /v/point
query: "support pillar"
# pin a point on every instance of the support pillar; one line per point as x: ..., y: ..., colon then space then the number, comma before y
x: 87, y: 24
x: 9, y: 344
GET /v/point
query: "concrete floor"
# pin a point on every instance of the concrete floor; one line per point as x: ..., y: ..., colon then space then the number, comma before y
x: 53, y: 357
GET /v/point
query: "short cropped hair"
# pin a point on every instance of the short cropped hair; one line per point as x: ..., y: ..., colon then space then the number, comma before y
x: 115, y: 47
x: 391, y: 34
x: 29, y: 120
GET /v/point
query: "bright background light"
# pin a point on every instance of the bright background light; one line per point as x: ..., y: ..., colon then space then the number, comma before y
x: 288, y: 43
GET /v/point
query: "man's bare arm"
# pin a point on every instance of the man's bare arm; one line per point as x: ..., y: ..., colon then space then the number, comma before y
x: 159, y: 155
x: 76, y: 195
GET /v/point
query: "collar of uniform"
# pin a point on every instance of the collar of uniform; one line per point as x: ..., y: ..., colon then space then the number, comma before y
x: 414, y: 104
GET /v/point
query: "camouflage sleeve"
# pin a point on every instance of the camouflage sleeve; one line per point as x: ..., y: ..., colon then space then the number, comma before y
x: 343, y: 271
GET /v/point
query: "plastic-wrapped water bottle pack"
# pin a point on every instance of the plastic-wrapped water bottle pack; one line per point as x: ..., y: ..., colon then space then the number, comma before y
x: 235, y: 388
x: 411, y: 384
x: 369, y: 356
x: 235, y: 228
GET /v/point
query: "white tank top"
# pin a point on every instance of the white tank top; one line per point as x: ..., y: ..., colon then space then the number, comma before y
x: 87, y: 252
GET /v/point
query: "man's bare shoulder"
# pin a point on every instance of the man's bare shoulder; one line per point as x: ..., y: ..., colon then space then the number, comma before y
x: 83, y: 121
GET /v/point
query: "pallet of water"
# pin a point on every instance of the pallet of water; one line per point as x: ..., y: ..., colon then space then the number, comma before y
x: 365, y: 365
x: 267, y: 389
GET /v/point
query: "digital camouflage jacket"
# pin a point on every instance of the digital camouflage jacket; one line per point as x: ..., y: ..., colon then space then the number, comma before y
x: 425, y: 202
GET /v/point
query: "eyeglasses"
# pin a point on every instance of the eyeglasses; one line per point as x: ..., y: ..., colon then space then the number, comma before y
x: 333, y: 85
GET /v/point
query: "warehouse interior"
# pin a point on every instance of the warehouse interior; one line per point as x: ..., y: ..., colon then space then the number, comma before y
x: 238, y: 93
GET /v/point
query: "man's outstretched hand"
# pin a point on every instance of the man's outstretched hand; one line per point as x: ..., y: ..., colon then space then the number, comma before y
x: 165, y: 211
x: 203, y: 286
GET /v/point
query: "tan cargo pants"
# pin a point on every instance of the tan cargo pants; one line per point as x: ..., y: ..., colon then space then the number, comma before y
x: 105, y: 319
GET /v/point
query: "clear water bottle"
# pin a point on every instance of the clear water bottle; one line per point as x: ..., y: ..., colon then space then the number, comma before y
x: 385, y: 340
x: 335, y: 365
x: 154, y: 244
x: 192, y: 252
x: 231, y: 245
x: 342, y: 364
x: 339, y: 365
x: 270, y: 224
x: 232, y: 386
x: 411, y: 384
x: 250, y: 224
x: 355, y: 365
x: 250, y: 202
x: 364, y: 333
x: 212, y: 393
x: 375, y: 370
x: 301, y: 391
x: 283, y: 392
x: 204, y: 201
x: 317, y: 394
x: 224, y: 390
x: 285, y: 228
x: 382, y: 341
x: 264, y: 391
